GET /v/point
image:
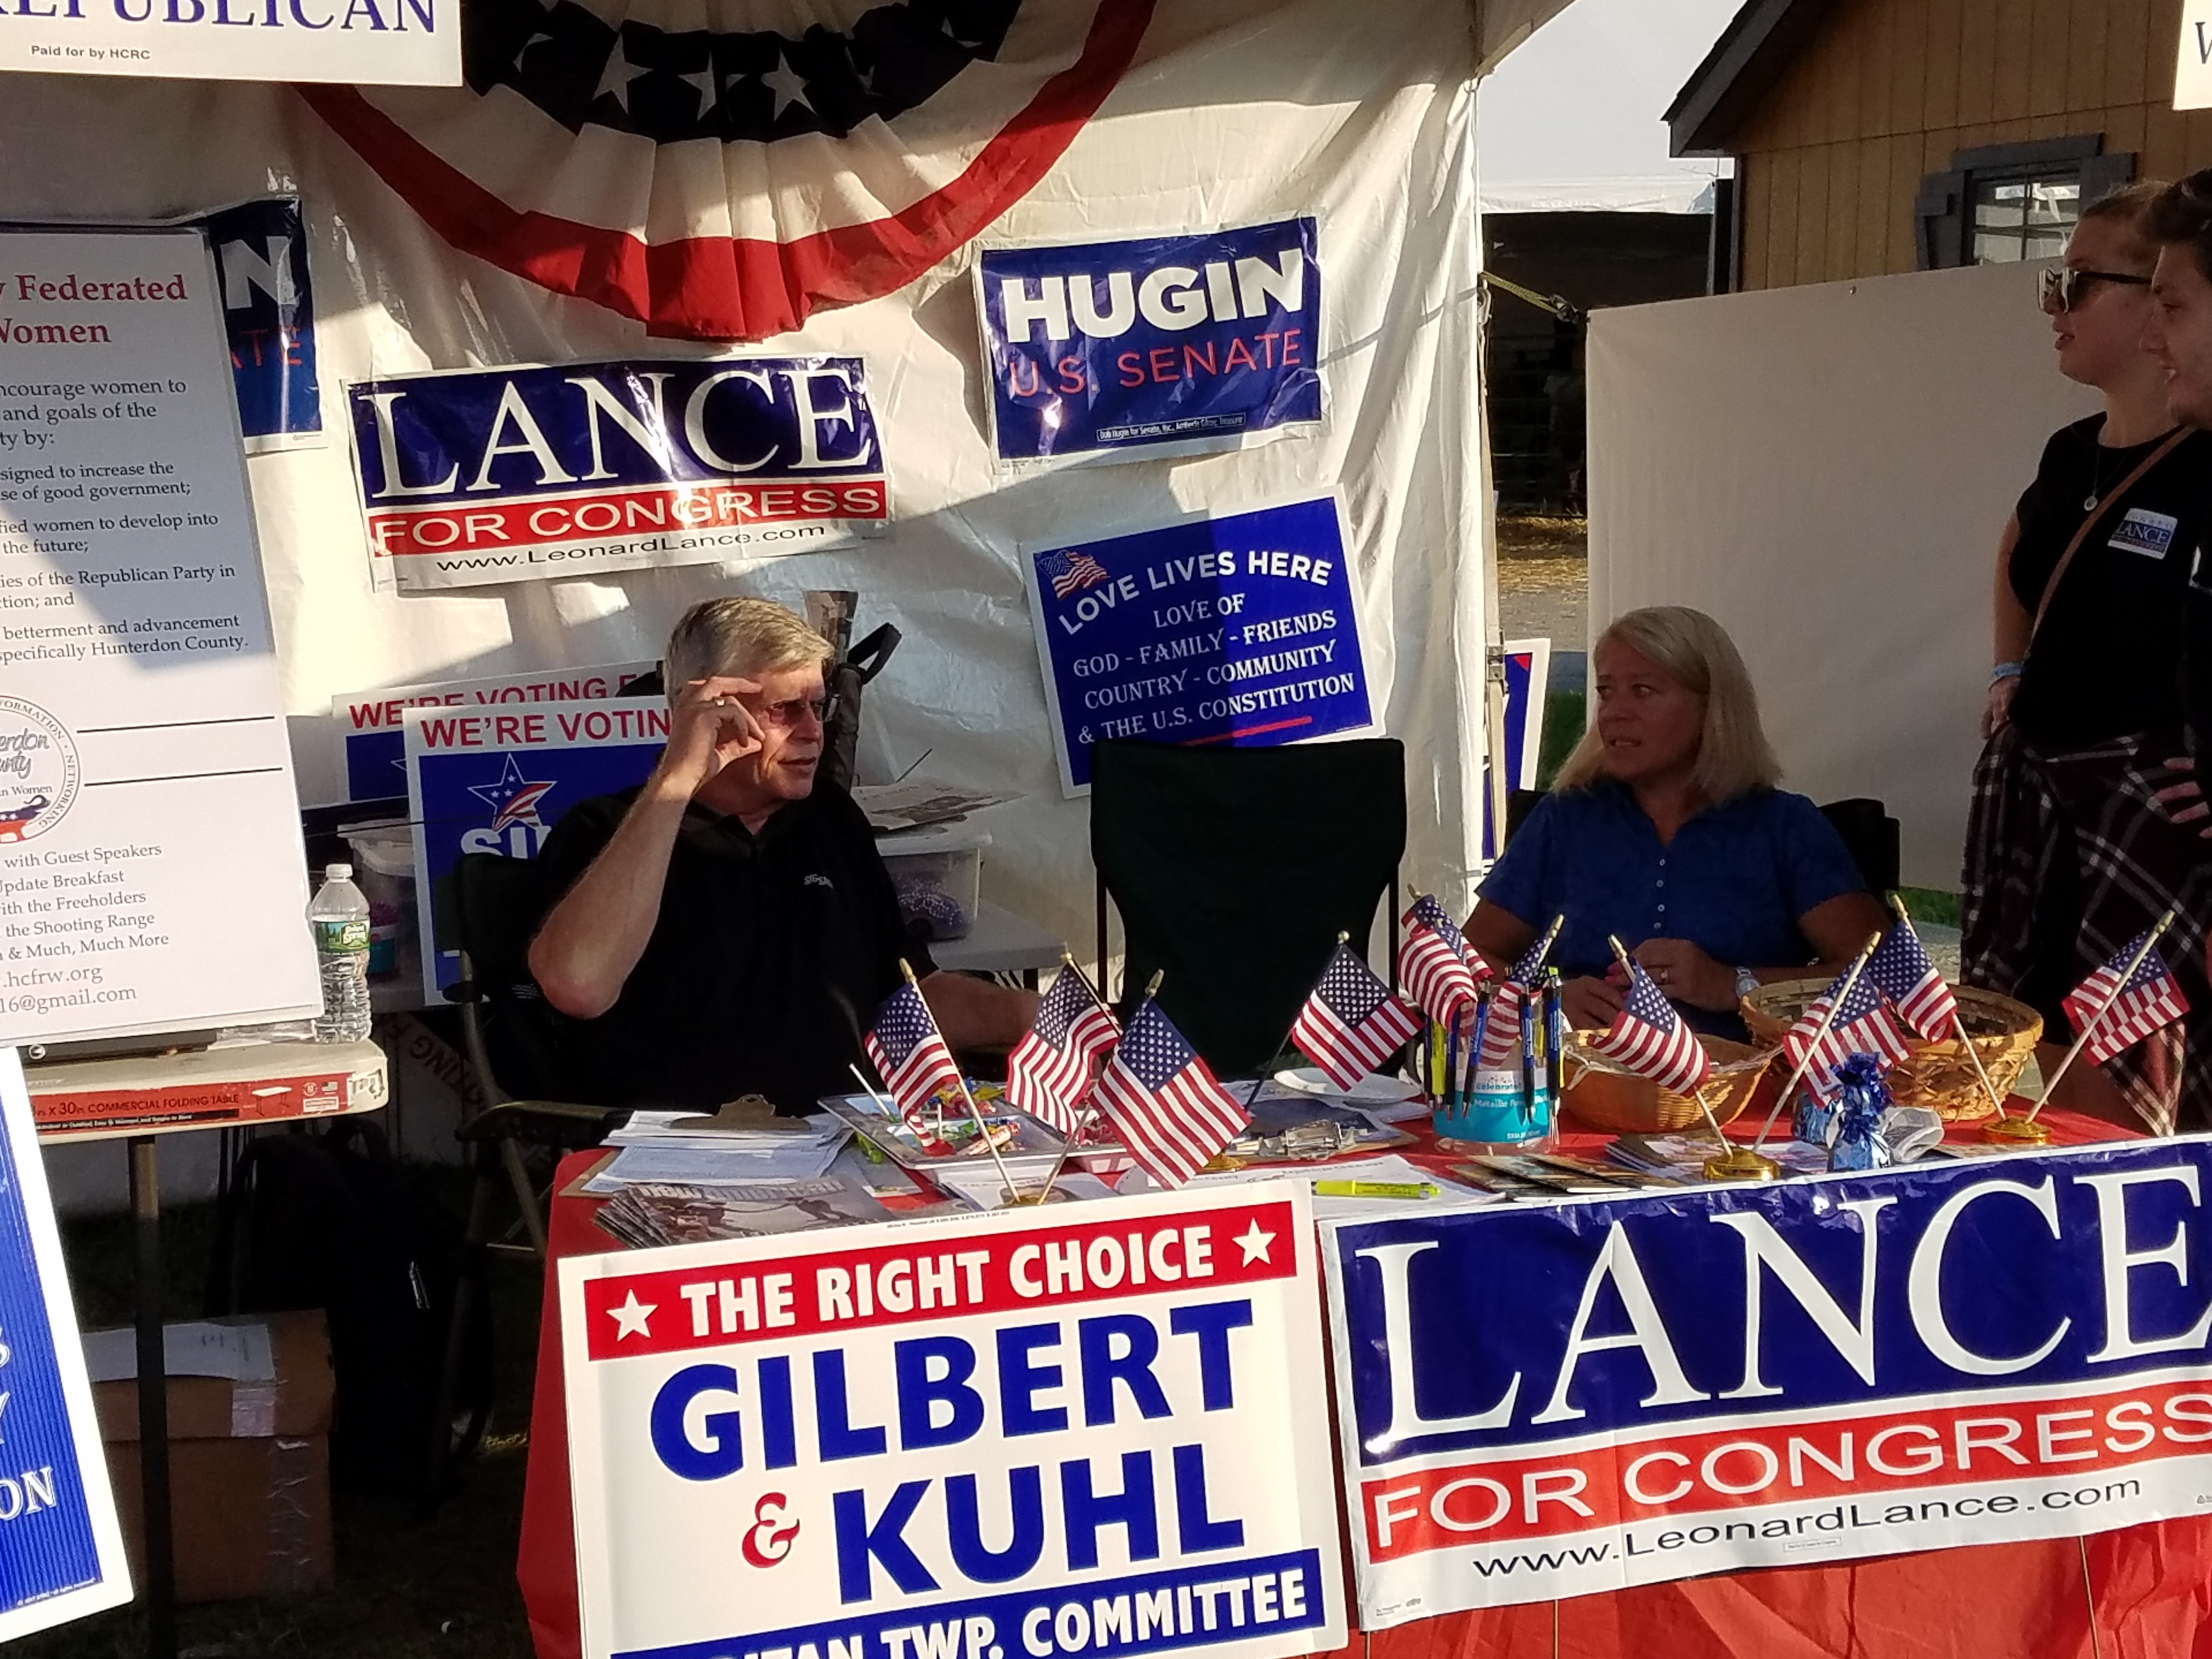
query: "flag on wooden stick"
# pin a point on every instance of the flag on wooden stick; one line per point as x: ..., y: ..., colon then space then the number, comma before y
x: 2149, y: 1001
x: 1351, y: 1023
x: 1050, y: 1073
x: 910, y: 1055
x: 1649, y: 1038
x: 1164, y: 1102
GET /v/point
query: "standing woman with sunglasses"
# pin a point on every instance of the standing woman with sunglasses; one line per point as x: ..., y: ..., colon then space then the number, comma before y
x: 2066, y: 851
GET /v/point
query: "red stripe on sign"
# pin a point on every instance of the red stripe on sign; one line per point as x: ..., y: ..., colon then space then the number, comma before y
x: 1248, y: 732
x: 471, y: 526
x: 830, y: 1289
x: 1543, y: 1495
x: 722, y: 288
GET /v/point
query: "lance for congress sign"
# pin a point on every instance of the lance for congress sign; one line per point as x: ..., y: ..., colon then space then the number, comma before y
x: 1237, y: 630
x: 1543, y: 1401
x: 61, y: 1553
x: 512, y: 474
x: 1184, y: 340
x: 1087, y: 1430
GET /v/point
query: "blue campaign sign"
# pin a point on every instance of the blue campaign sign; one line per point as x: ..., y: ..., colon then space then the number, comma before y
x: 497, y: 779
x: 477, y: 476
x: 61, y: 1552
x: 374, y: 747
x: 1236, y: 631
x: 1122, y: 346
x: 1544, y: 1400
x: 269, y: 306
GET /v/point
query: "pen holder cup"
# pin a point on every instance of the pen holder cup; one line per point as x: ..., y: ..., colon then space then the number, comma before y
x: 1495, y: 1113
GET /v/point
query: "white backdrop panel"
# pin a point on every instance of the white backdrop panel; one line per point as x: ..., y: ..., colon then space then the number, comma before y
x: 1236, y: 111
x: 1826, y: 470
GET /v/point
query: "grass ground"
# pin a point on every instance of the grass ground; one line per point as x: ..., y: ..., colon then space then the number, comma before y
x: 406, y: 1588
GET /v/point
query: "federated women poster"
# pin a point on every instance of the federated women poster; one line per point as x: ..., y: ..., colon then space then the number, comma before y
x: 150, y: 877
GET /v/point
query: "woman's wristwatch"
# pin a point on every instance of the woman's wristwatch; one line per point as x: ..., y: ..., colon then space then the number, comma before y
x: 1746, y: 983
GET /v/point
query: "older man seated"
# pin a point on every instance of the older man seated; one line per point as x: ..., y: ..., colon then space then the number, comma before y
x: 727, y: 927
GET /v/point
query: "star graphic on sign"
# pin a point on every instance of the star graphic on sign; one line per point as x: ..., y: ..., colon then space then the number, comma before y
x: 1256, y: 1244
x: 617, y: 75
x: 631, y: 1317
x: 788, y: 85
x: 514, y: 799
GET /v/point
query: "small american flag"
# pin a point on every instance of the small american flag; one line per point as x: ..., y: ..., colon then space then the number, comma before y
x: 1073, y: 572
x: 1050, y: 1070
x: 911, y: 1056
x: 1862, y: 1026
x: 2150, y: 1000
x: 1163, y: 1100
x: 1432, y: 962
x: 1900, y: 970
x: 1501, y: 1039
x: 1351, y: 1022
x: 1649, y: 1038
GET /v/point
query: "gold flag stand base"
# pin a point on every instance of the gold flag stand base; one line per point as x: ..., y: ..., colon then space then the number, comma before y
x: 2021, y: 1129
x: 1742, y: 1165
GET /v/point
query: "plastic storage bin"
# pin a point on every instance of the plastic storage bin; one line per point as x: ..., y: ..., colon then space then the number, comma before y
x: 939, y: 873
x: 384, y: 870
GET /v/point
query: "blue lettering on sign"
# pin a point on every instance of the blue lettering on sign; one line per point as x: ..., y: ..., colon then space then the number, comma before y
x: 1238, y: 631
x: 46, y: 1544
x: 268, y: 307
x: 1116, y: 345
x: 1165, y: 1611
x: 2089, y: 1265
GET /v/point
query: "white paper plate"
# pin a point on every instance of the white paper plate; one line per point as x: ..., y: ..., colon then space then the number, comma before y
x: 1373, y: 1089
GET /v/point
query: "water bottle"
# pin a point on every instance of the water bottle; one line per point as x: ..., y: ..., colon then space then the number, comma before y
x: 339, y: 916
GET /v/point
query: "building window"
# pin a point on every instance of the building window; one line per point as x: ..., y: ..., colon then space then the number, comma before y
x: 2024, y: 218
x: 2009, y: 202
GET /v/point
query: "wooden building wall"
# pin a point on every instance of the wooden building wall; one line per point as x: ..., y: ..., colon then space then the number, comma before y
x: 1831, y: 159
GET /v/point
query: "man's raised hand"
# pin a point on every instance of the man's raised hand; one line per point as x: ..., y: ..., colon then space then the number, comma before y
x: 708, y: 728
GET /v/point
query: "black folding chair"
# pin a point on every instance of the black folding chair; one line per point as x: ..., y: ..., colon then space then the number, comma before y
x: 512, y: 1036
x: 1234, y: 869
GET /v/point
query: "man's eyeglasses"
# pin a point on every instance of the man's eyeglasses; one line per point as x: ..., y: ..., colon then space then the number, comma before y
x: 2062, y: 288
x: 789, y: 713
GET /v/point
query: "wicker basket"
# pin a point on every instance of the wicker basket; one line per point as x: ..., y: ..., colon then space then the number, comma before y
x: 1602, y: 1097
x: 1937, y: 1075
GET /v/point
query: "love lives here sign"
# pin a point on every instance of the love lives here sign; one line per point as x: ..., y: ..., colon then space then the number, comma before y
x: 1544, y: 1401
x: 1090, y: 1430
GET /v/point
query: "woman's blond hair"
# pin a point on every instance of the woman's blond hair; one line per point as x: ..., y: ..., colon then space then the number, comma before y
x: 1734, y: 758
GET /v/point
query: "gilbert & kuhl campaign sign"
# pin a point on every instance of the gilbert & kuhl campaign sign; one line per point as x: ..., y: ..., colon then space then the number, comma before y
x: 1538, y: 1401
x: 510, y: 475
x: 1124, y: 347
x: 61, y: 1550
x: 1079, y: 1430
x: 1239, y: 629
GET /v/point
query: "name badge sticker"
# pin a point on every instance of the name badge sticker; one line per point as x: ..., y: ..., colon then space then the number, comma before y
x: 2143, y: 531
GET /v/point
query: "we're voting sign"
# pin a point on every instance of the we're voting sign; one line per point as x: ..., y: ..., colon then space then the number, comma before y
x: 1095, y: 1429
x: 374, y: 747
x: 497, y: 778
x: 61, y: 1552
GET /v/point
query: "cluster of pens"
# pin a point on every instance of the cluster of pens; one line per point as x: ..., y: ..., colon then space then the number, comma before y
x: 1538, y: 1043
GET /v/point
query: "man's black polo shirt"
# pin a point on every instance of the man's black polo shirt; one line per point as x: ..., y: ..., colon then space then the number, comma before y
x: 770, y: 956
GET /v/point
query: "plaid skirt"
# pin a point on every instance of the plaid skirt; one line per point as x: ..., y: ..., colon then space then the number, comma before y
x: 2067, y: 860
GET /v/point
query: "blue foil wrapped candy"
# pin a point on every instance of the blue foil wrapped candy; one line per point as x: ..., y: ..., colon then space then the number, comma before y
x: 1861, y: 1098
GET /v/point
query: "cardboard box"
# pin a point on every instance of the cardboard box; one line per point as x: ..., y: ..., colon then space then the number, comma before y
x: 249, y: 1450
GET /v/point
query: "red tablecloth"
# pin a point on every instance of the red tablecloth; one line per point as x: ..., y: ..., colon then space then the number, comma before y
x: 2151, y: 1585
